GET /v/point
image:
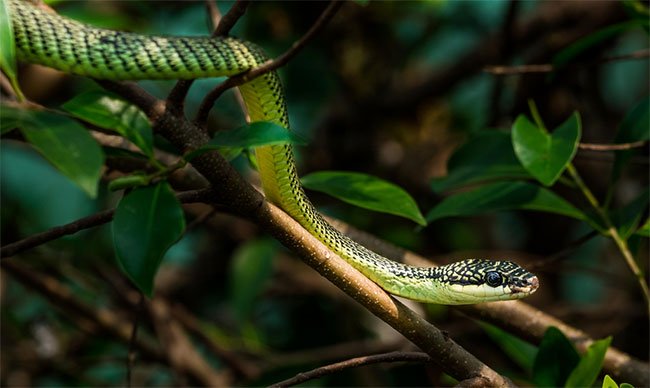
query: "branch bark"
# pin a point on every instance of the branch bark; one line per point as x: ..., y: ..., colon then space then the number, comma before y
x: 517, y: 317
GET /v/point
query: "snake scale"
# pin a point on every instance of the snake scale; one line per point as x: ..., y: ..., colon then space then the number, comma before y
x: 45, y: 38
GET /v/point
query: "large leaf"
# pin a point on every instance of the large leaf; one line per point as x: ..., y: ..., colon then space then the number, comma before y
x: 251, y: 269
x: 365, y: 191
x: 109, y: 111
x: 555, y: 359
x: 487, y: 155
x: 545, y: 155
x: 147, y: 222
x: 504, y: 196
x: 586, y: 372
x: 63, y: 142
x: 257, y: 134
x: 8, y: 48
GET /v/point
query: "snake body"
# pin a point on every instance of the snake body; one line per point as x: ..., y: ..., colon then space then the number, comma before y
x: 45, y: 38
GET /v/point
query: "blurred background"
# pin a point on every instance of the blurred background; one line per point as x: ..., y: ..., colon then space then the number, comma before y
x: 390, y: 89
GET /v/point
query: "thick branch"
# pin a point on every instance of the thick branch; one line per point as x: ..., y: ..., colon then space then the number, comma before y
x: 517, y: 317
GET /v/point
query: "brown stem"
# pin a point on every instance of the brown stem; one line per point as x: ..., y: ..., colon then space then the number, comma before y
x: 517, y: 317
x: 548, y: 67
x: 612, y: 147
x: 353, y: 363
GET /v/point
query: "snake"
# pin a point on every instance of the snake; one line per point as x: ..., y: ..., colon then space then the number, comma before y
x: 44, y: 37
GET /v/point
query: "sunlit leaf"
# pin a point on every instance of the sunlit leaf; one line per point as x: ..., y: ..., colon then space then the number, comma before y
x: 555, y: 360
x: 365, y: 191
x: 251, y: 269
x: 109, y: 111
x: 504, y: 196
x: 63, y: 142
x: 546, y: 155
x: 147, y: 222
x: 586, y: 372
x: 487, y: 155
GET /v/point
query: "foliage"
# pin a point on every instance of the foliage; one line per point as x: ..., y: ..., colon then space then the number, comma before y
x: 521, y: 186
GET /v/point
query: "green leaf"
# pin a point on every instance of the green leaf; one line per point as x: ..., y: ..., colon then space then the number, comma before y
x: 568, y: 54
x: 636, y: 124
x: 63, y: 142
x: 257, y: 134
x: 487, y: 155
x: 634, y: 127
x: 608, y: 382
x: 504, y: 196
x: 546, y: 155
x: 252, y: 267
x: 644, y: 230
x: 109, y: 111
x: 8, y: 49
x: 555, y: 359
x: 147, y: 222
x: 627, y: 218
x: 365, y: 191
x: 586, y: 372
x: 626, y: 385
x: 520, y: 351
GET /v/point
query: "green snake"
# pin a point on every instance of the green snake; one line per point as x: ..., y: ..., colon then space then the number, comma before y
x: 45, y: 38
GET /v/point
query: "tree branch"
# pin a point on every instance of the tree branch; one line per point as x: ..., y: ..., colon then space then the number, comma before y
x: 268, y: 66
x: 353, y: 363
x: 516, y: 317
x: 231, y: 17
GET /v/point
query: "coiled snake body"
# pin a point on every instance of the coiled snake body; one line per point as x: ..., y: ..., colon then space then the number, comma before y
x: 45, y: 38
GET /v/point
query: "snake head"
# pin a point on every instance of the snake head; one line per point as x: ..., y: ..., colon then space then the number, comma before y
x: 475, y: 281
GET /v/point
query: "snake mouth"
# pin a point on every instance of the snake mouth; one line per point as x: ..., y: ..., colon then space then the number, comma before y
x: 530, y: 285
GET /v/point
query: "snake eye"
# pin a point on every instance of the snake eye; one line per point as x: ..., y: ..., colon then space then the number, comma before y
x: 493, y: 279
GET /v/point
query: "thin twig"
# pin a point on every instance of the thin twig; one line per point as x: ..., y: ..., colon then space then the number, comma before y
x: 67, y: 300
x: 231, y: 17
x: 353, y: 363
x: 549, y: 67
x: 621, y: 243
x: 222, y: 26
x: 214, y: 14
x: 268, y: 66
x: 612, y: 147
x: 130, y: 358
x: 84, y: 223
